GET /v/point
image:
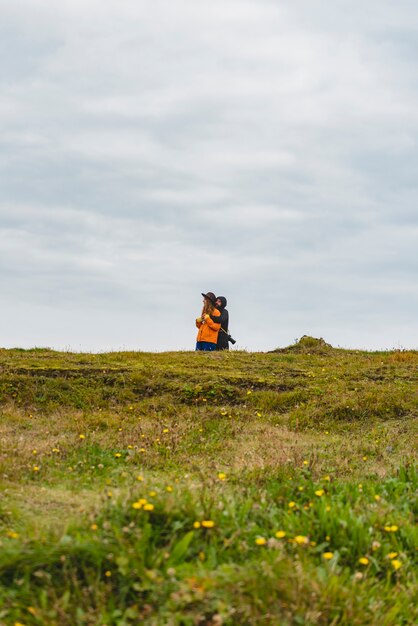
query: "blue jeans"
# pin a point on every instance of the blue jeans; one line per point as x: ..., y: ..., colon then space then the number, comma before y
x: 205, y: 345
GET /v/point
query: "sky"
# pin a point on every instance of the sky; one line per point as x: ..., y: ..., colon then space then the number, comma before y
x: 265, y: 151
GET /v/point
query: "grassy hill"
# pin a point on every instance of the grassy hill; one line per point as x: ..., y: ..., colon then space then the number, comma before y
x: 208, y: 489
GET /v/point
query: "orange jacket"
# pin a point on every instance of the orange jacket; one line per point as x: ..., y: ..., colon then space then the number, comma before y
x: 208, y: 330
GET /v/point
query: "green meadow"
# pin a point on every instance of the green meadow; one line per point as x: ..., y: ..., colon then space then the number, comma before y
x: 208, y: 489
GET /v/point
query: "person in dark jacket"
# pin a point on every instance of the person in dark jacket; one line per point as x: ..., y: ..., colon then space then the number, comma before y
x: 222, y: 343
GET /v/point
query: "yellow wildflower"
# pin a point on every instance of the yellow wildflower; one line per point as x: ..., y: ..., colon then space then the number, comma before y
x: 140, y: 478
x: 169, y: 489
x: 391, y: 529
x: 328, y: 555
x: 392, y: 555
x: 148, y: 507
x: 108, y: 573
x: 260, y: 541
x: 377, y: 498
x: 36, y: 468
x: 363, y: 560
x: 12, y: 534
x: 280, y: 534
x: 94, y: 527
x: 196, y: 524
x: 291, y: 505
x: 319, y: 492
x: 81, y: 436
x: 208, y: 523
x: 301, y: 540
x: 396, y: 564
x: 118, y: 455
x: 222, y: 476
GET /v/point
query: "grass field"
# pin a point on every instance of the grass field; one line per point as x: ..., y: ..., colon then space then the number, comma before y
x: 208, y: 489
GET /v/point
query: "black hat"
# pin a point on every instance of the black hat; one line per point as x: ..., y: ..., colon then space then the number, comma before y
x: 210, y: 296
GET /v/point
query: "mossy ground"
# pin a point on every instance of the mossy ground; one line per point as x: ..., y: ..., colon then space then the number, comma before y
x: 208, y: 489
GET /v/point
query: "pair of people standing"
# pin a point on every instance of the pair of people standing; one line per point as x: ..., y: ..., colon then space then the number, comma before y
x: 213, y: 324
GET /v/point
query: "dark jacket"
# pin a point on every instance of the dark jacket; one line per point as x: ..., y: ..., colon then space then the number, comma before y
x: 223, y: 343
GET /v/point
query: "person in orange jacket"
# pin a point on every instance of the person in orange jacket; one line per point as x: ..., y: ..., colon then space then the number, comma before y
x: 207, y: 335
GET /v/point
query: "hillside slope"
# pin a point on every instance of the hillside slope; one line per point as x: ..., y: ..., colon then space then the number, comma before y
x: 193, y: 488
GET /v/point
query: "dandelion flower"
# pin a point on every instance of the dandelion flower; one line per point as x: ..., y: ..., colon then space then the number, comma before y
x: 140, y: 478
x: 94, y: 527
x: 81, y: 436
x: 137, y: 505
x: 280, y: 534
x: 166, y: 430
x: 196, y: 524
x: 377, y: 498
x: 306, y: 462
x: 301, y: 540
x: 363, y: 560
x: 12, y: 534
x: 222, y: 476
x: 260, y: 541
x: 36, y: 468
x: 208, y: 523
x: 319, y: 492
x: 169, y: 488
x: 392, y: 555
x: 249, y: 392
x: 391, y: 529
x: 108, y: 574
x: 118, y: 455
x: 328, y: 555
x: 291, y: 505
x: 152, y: 494
x: 396, y: 564
x: 148, y: 507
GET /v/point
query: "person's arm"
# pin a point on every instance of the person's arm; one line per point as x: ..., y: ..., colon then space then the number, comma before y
x: 222, y: 319
x: 213, y: 325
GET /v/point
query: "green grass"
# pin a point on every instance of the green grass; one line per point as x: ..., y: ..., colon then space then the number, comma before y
x: 208, y: 489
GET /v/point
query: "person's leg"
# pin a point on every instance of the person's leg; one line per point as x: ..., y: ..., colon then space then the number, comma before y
x: 208, y: 346
x: 199, y: 345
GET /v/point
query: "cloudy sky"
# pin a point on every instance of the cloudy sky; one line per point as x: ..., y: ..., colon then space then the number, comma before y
x: 265, y: 150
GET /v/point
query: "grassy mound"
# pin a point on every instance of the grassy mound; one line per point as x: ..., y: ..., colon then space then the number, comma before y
x: 307, y: 345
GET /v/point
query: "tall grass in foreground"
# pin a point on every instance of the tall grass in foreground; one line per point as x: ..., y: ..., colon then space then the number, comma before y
x: 176, y: 490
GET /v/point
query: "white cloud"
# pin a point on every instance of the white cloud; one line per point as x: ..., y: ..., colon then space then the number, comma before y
x: 265, y: 151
